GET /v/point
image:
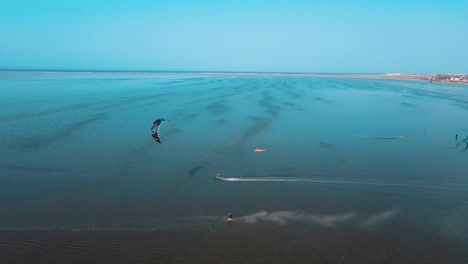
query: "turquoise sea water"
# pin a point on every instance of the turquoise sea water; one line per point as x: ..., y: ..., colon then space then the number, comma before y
x: 355, y: 170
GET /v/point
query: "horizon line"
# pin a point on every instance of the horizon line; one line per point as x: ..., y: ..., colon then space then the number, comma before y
x: 205, y: 71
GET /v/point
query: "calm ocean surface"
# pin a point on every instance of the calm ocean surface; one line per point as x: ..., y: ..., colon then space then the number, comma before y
x: 355, y: 170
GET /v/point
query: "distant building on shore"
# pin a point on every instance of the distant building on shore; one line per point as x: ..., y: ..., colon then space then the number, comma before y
x: 450, y: 77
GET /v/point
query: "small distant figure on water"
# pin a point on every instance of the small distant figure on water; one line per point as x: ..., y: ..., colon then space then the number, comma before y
x: 218, y: 176
x: 456, y: 136
x: 229, y: 218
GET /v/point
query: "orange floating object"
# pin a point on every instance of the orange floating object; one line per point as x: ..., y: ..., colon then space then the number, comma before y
x: 259, y: 150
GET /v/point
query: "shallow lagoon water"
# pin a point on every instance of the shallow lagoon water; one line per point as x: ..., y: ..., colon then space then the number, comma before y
x: 355, y: 170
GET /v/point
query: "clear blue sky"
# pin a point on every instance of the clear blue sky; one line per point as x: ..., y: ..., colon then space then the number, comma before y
x: 270, y: 36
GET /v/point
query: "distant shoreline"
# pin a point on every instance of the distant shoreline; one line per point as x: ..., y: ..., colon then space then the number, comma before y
x: 405, y: 77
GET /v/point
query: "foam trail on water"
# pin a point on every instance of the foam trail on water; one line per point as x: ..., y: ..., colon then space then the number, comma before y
x: 265, y: 180
x: 347, y: 183
x: 408, y: 187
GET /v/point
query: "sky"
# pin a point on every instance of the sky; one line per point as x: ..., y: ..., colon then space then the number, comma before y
x: 243, y: 36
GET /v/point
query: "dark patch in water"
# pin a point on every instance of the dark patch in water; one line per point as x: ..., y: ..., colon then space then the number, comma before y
x: 465, y: 106
x: 327, y: 145
x: 24, y: 115
x: 221, y: 121
x: 342, y: 160
x: 194, y: 170
x: 190, y: 116
x: 27, y: 103
x: 217, y: 108
x: 322, y: 100
x: 408, y: 104
x: 259, y: 124
x: 38, y: 141
x: 288, y: 104
x: 36, y: 169
x: 267, y: 104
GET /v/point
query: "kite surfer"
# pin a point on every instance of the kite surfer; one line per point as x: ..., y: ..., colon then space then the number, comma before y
x: 229, y: 218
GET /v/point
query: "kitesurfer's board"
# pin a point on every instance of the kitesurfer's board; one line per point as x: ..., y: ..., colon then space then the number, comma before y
x: 259, y: 150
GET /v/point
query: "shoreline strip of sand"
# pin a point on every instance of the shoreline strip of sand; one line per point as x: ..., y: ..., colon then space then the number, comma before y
x: 404, y: 77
